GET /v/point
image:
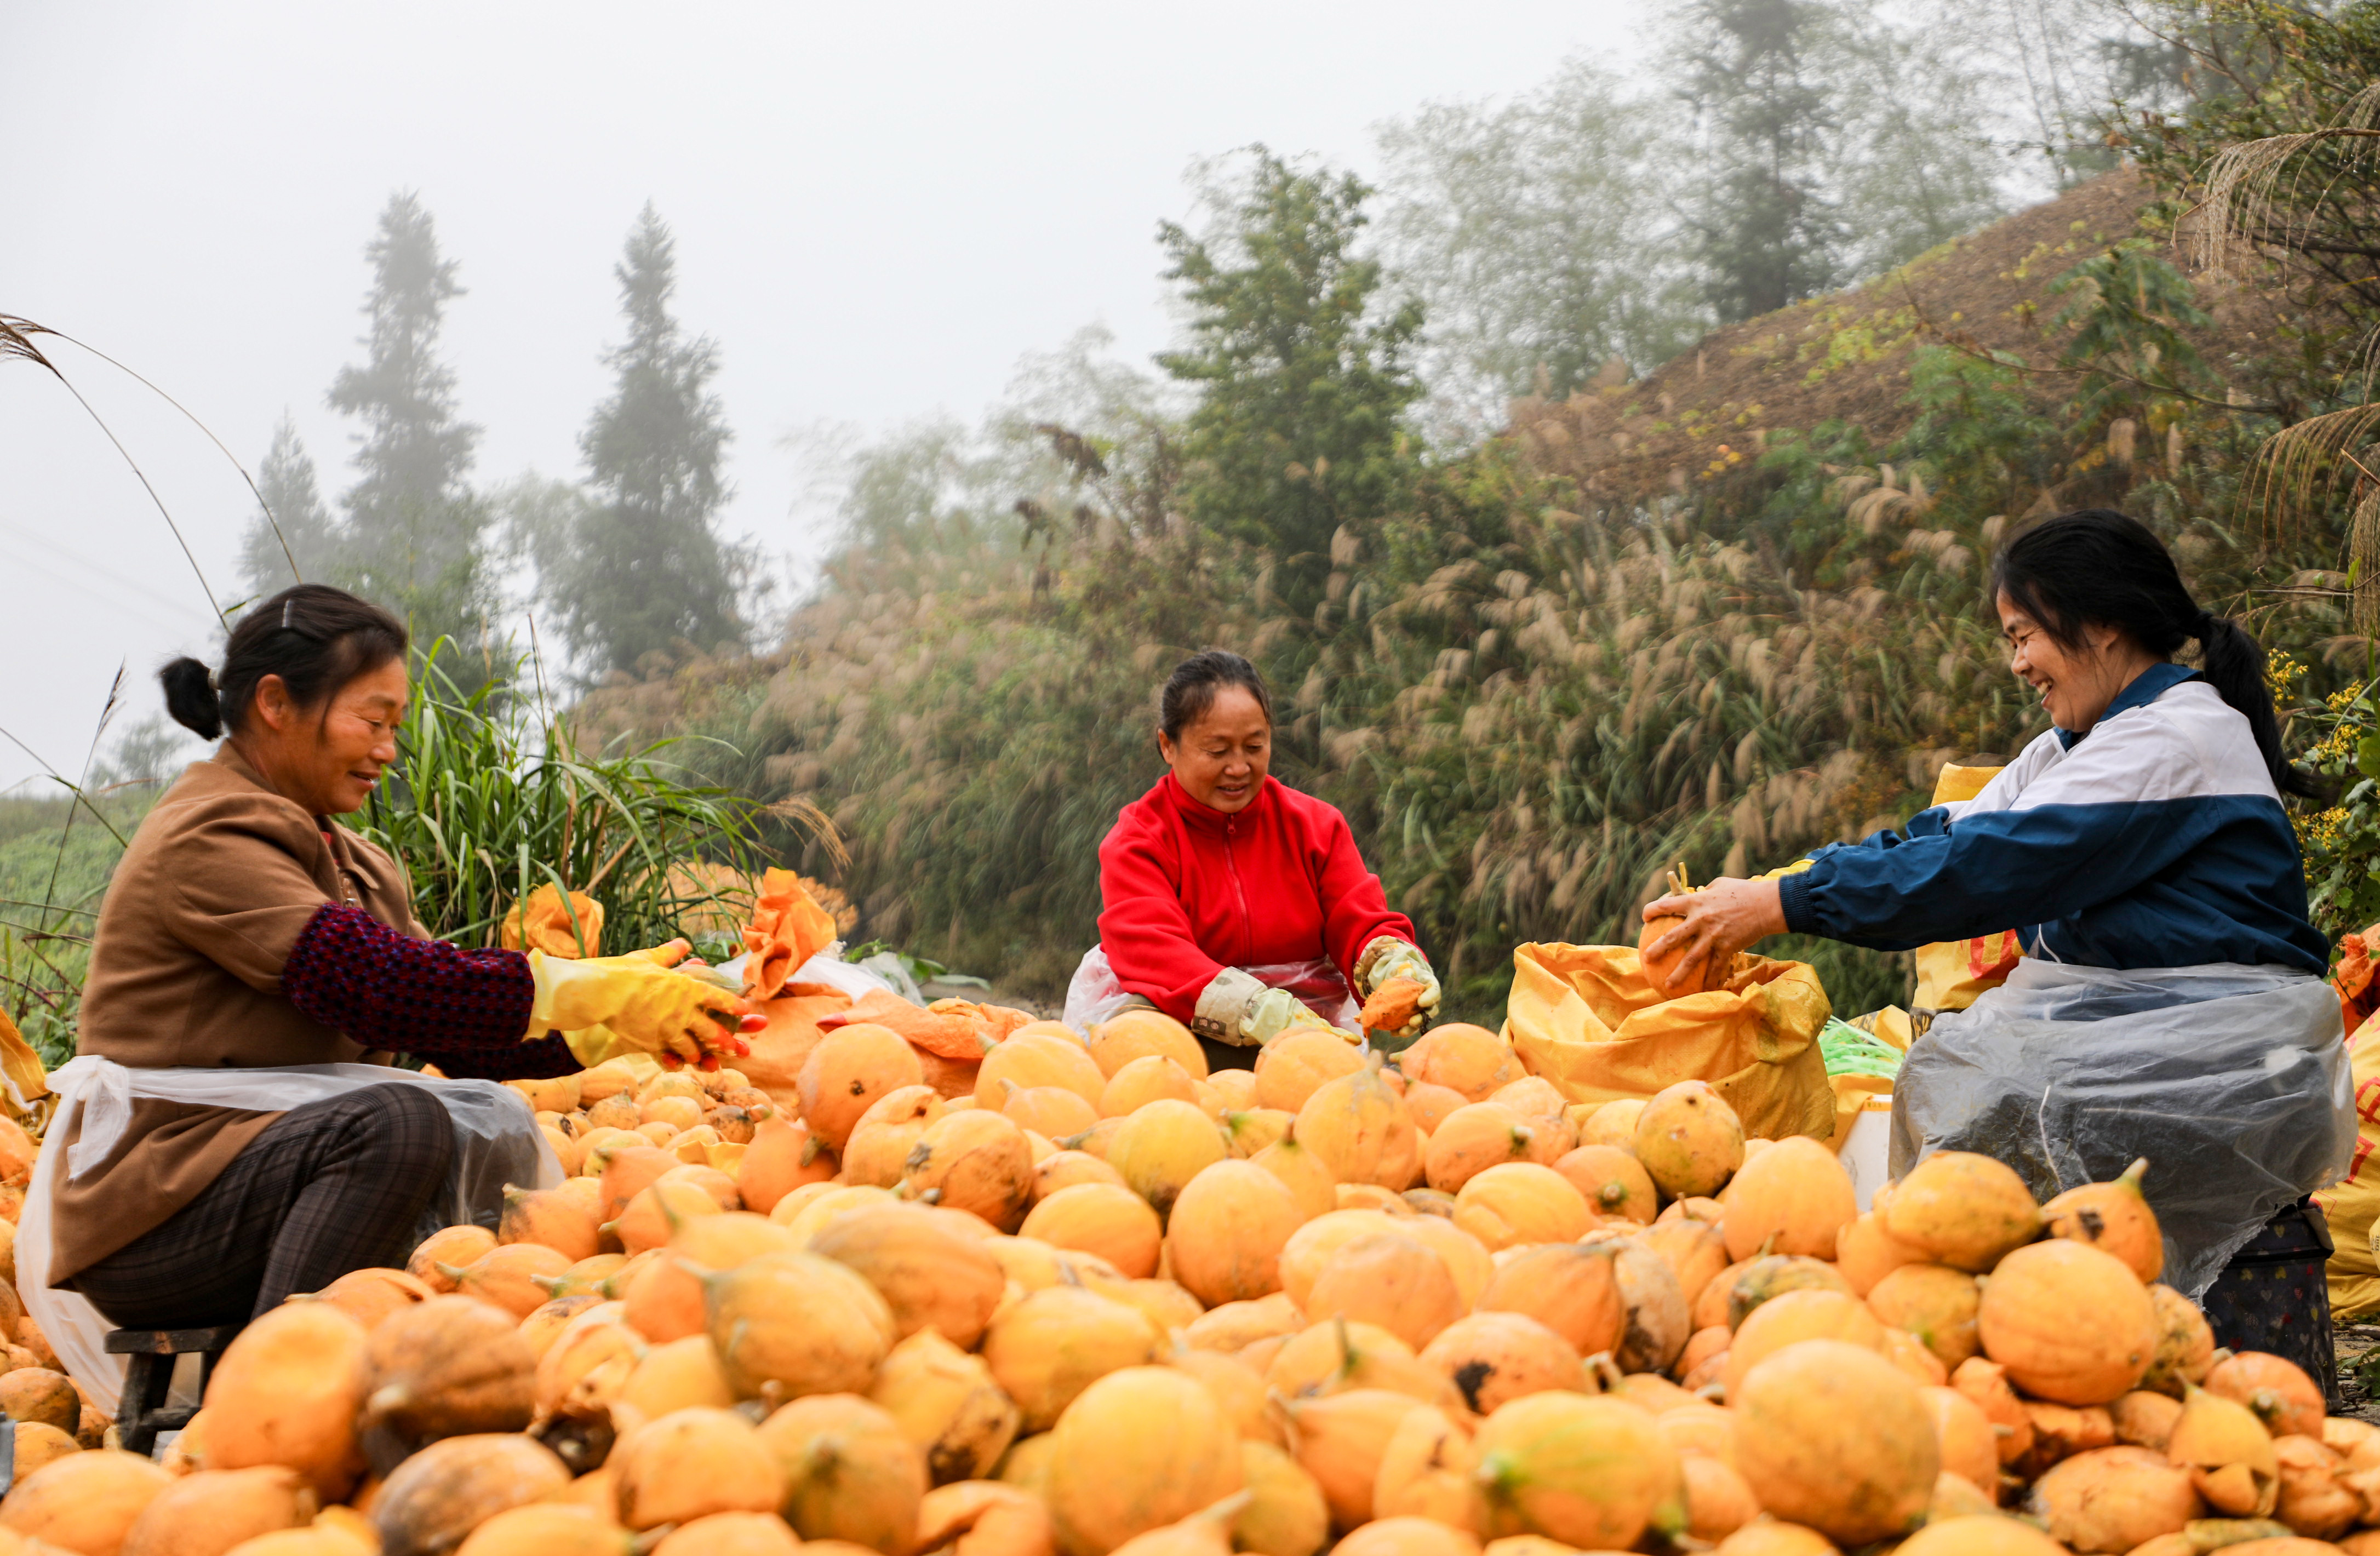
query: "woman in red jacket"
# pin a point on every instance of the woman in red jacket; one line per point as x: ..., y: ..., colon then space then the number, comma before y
x: 1233, y: 903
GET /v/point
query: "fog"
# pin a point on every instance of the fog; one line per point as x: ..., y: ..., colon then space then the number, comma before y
x: 877, y: 209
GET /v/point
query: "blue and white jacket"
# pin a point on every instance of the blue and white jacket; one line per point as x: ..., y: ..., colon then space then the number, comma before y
x: 2157, y: 842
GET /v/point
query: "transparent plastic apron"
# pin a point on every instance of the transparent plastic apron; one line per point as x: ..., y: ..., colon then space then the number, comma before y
x: 496, y: 1142
x: 1095, y: 996
x: 2232, y: 1080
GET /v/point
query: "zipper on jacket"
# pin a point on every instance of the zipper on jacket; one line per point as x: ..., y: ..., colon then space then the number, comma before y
x: 1239, y: 892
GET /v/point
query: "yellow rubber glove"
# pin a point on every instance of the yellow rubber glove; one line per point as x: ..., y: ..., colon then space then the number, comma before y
x: 649, y: 1008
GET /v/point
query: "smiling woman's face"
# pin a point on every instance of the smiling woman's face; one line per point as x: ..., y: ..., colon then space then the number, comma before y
x: 328, y: 758
x: 1221, y: 759
x: 2075, y: 687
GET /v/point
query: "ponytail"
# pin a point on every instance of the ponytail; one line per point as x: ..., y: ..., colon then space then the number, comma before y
x: 2104, y: 567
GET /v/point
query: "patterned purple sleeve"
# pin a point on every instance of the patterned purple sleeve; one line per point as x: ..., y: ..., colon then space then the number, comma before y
x: 464, y: 1010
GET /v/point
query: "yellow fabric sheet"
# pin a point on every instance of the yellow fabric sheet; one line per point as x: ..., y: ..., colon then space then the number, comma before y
x: 1586, y: 1019
x: 2353, y: 1203
x: 1951, y: 974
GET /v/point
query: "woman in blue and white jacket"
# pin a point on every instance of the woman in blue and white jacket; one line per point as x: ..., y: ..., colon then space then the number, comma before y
x: 2170, y: 1004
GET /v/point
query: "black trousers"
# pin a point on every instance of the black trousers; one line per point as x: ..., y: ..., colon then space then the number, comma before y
x: 327, y: 1188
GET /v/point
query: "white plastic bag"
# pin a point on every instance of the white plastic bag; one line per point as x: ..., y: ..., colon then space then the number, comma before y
x: 1094, y: 995
x: 855, y: 978
x: 496, y: 1142
x: 2232, y: 1080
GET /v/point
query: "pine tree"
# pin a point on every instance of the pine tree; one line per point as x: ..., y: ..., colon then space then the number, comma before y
x: 415, y: 538
x: 287, y: 482
x: 1763, y: 227
x: 641, y: 566
x: 1296, y: 429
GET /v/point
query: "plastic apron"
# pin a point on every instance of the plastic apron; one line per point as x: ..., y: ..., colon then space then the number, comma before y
x: 496, y: 1142
x: 1095, y: 996
x: 2232, y: 1080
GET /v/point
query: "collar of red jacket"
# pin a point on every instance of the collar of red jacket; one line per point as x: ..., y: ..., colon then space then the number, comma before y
x: 1205, y: 818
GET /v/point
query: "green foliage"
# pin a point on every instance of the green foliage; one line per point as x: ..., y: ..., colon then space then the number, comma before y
x: 1295, y: 431
x: 489, y: 800
x: 2341, y: 841
x: 285, y: 480
x: 639, y: 567
x: 1536, y: 235
x: 414, y: 534
x: 1763, y: 228
x: 55, y: 857
x: 2128, y: 311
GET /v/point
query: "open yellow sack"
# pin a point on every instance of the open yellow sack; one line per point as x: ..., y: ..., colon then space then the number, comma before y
x: 2352, y: 1204
x: 1951, y: 973
x: 1584, y: 1017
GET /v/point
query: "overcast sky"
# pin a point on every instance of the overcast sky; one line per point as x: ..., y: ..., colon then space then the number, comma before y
x: 878, y: 210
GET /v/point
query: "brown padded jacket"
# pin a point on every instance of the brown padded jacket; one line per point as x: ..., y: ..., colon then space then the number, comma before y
x: 186, y: 971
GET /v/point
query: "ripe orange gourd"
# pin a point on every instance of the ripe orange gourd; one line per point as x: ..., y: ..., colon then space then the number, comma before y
x: 1695, y: 1252
x: 627, y: 1172
x: 1495, y: 1356
x: 1294, y: 1066
x: 1613, y: 1182
x: 970, y: 1159
x: 1137, y: 1034
x: 1865, y: 1253
x: 1139, y: 1449
x: 2185, y: 1344
x: 1146, y: 1079
x: 1470, y: 1060
x: 1160, y: 1149
x: 456, y: 1246
x: 446, y: 1369
x: 1969, y: 1442
x: 1229, y: 1227
x: 1473, y: 1139
x: 948, y: 1405
x: 2114, y: 1499
x: 796, y: 1324
x: 693, y: 1463
x: 665, y: 1299
x: 1793, y: 1318
x: 1593, y: 1473
x: 1573, y: 1291
x: 436, y: 1497
x: 677, y: 1375
x: 1340, y: 1440
x: 849, y: 1069
x: 2070, y: 1324
x: 1934, y: 1303
x: 1103, y: 1219
x: 850, y: 1474
x: 1984, y: 1534
x: 731, y: 1534
x: 1050, y: 1111
x: 2277, y: 1389
x: 1311, y: 1246
x: 551, y: 1529
x: 1047, y: 1348
x: 85, y: 1501
x: 35, y: 1394
x: 1306, y: 1175
x: 369, y: 1296
x: 1044, y: 1057
x: 1389, y: 1279
x: 1521, y: 1202
x: 1407, y: 1535
x: 1834, y: 1436
x: 288, y: 1391
x: 1795, y: 1192
x: 1771, y: 1275
x: 929, y: 1275
x: 1960, y: 1209
x: 1689, y: 1139
x: 877, y: 1153
x: 1429, y: 1470
x: 1064, y: 1169
x: 2114, y: 1218
x: 1286, y: 1514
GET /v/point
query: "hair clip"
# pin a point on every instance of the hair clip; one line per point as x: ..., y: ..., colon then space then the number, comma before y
x: 286, y: 606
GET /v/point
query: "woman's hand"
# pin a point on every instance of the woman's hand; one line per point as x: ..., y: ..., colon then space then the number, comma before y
x: 677, y: 1018
x: 1721, y: 919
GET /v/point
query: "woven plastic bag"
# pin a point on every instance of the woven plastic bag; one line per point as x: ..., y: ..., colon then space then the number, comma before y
x: 2232, y: 1080
x: 496, y: 1142
x: 1586, y: 1019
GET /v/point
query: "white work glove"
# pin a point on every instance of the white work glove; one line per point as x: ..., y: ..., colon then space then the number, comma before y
x: 1277, y: 1011
x: 1389, y: 957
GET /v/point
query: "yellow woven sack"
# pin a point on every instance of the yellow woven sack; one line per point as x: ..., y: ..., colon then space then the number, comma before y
x: 2353, y: 1203
x: 1951, y: 973
x: 1584, y: 1017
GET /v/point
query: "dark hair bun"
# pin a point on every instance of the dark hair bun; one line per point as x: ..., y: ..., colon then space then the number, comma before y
x: 190, y: 696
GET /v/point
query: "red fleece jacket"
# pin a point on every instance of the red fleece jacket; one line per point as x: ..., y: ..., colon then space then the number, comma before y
x: 1187, y: 891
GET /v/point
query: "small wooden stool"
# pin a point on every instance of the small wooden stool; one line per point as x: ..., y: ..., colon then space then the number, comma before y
x: 140, y: 1415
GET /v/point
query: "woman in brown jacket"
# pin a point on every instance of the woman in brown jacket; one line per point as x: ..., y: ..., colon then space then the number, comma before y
x: 243, y: 929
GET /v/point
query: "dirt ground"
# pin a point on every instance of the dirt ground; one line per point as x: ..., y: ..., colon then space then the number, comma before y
x: 2358, y: 1370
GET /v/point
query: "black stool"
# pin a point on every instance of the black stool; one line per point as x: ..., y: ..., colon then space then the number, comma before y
x: 140, y: 1415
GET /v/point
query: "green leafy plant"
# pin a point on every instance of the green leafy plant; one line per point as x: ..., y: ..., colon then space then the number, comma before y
x: 491, y: 797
